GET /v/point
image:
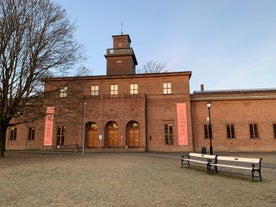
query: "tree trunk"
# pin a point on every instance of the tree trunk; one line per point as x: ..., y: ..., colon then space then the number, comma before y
x: 3, y: 130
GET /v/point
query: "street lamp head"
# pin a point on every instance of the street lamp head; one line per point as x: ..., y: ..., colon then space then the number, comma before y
x: 209, y: 104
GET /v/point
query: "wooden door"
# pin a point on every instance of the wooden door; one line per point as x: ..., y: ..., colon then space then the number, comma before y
x: 113, y: 138
x: 134, y: 137
x: 92, y: 138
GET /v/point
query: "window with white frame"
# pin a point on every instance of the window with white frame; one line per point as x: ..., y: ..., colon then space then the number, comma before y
x: 113, y: 89
x: 133, y: 88
x: 94, y: 90
x: 167, y: 88
x: 63, y: 92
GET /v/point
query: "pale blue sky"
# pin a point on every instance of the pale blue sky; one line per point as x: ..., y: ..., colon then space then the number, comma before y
x: 227, y: 44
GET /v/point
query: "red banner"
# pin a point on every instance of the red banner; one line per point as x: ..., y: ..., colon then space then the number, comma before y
x: 182, y: 124
x: 49, y: 123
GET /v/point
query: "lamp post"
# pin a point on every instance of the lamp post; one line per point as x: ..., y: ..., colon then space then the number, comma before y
x: 209, y: 104
x: 84, y: 127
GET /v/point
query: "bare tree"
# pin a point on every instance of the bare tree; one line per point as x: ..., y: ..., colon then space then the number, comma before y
x: 36, y: 42
x: 153, y: 67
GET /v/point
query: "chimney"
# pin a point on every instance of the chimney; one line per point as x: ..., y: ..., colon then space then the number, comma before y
x: 201, y: 87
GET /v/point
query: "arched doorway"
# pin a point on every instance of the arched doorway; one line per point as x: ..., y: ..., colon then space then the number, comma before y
x: 133, y: 134
x: 112, y: 134
x: 92, y: 134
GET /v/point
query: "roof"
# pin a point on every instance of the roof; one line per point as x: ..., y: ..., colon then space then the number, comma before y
x: 231, y: 91
x: 234, y: 94
x: 148, y: 75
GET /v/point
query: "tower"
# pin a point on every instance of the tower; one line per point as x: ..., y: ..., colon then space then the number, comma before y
x: 120, y: 60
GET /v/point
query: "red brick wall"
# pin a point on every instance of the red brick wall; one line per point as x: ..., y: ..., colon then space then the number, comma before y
x: 161, y: 111
x: 239, y: 111
x: 120, y: 65
x: 121, y: 41
x: 152, y: 110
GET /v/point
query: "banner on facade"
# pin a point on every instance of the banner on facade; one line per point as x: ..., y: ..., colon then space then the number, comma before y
x: 49, y: 123
x: 182, y: 128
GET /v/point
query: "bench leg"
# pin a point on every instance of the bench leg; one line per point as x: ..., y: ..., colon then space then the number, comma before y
x: 208, y: 167
x: 253, y: 171
x: 183, y: 163
x: 260, y: 174
x: 253, y: 174
x: 216, y: 169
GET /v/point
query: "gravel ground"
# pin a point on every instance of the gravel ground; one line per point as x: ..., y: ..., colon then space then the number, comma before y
x: 127, y: 179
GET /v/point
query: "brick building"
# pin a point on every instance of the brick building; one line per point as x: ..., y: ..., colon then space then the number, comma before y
x: 153, y: 112
x: 241, y: 120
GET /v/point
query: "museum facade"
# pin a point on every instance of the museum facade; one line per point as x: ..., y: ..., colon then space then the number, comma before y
x: 147, y: 112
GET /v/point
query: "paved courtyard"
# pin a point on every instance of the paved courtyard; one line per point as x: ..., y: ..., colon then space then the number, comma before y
x: 127, y: 179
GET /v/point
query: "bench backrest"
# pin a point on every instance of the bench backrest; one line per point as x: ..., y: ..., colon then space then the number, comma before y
x: 202, y: 155
x: 238, y: 159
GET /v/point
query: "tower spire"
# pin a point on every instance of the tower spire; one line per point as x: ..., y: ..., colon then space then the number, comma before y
x: 122, y: 28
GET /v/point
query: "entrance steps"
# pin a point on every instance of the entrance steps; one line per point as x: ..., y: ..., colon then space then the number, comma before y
x: 77, y: 148
x: 114, y: 149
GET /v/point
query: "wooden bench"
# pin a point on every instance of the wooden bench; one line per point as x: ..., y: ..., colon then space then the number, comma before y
x: 198, y: 158
x: 252, y: 164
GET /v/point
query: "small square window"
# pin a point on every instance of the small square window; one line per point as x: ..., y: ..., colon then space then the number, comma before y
x: 114, y: 90
x: 63, y: 92
x: 133, y: 88
x: 167, y: 88
x: 94, y: 90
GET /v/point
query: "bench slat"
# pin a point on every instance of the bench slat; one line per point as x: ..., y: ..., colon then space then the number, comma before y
x: 192, y: 160
x: 232, y: 166
x: 202, y: 155
x: 238, y: 159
